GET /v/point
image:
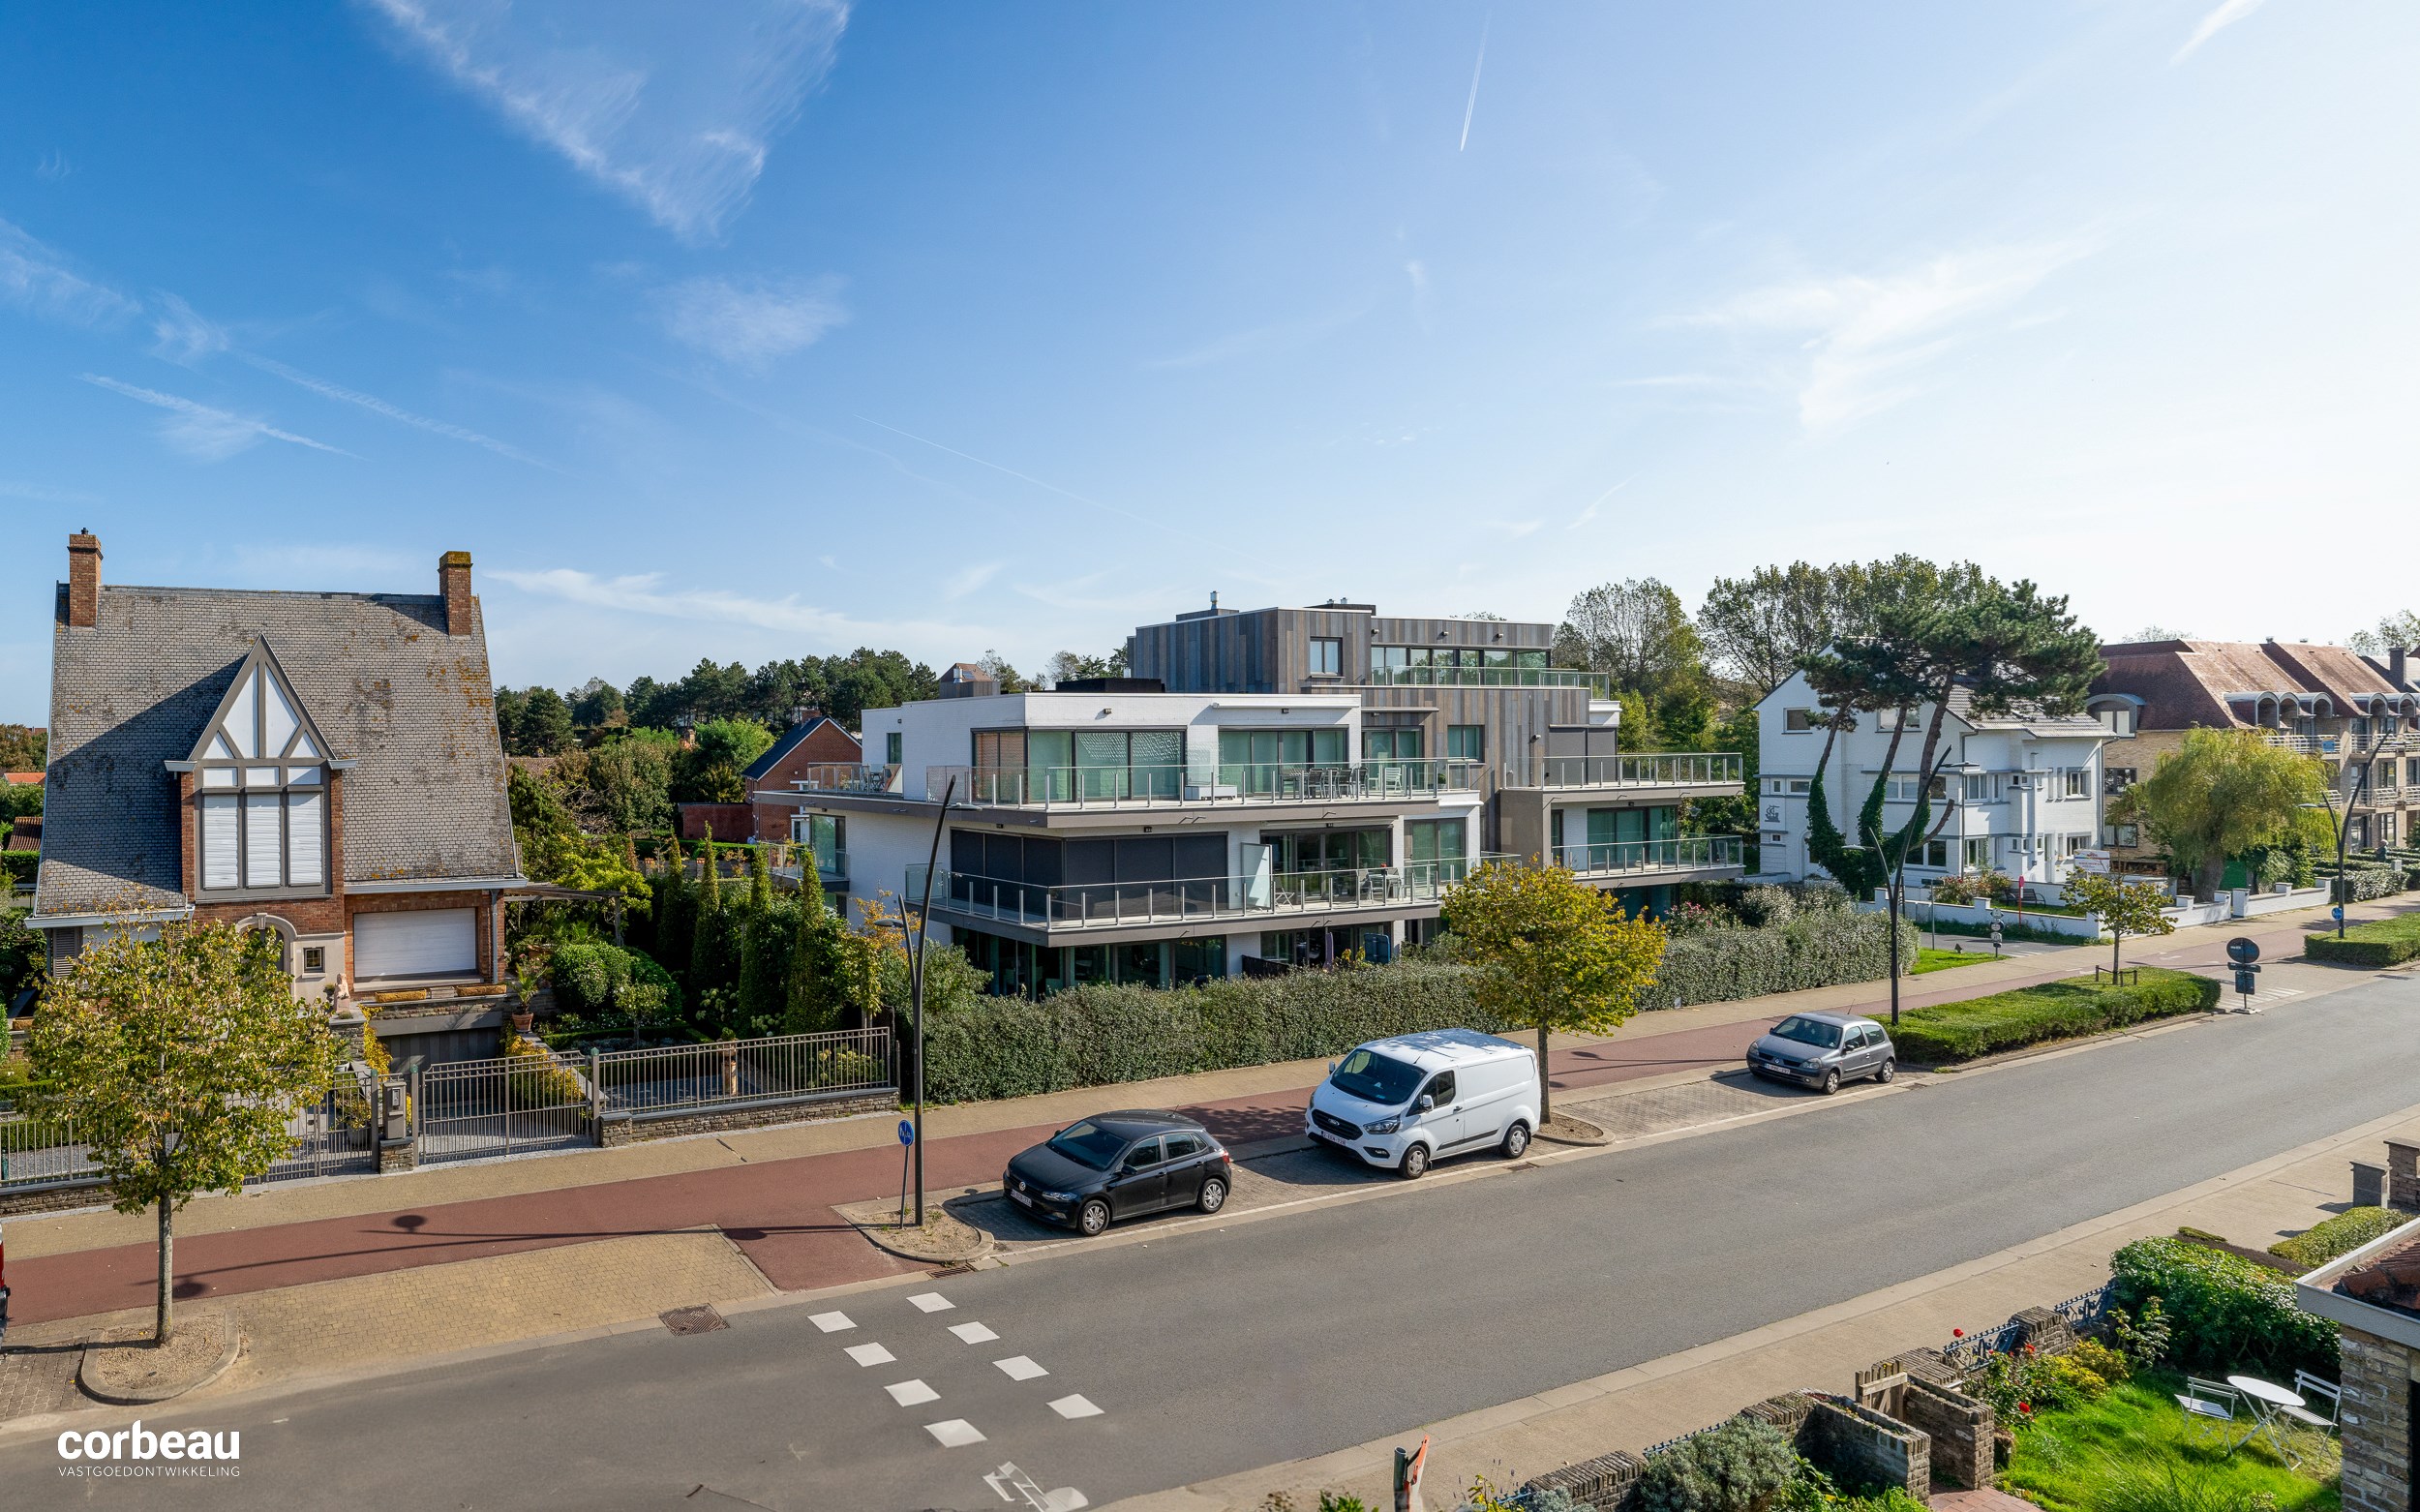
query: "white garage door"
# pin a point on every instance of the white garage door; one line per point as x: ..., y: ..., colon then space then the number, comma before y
x: 436, y: 942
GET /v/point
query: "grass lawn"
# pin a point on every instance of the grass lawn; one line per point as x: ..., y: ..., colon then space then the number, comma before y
x: 2116, y: 1452
x: 1943, y: 1033
x: 2381, y: 942
x: 1930, y: 959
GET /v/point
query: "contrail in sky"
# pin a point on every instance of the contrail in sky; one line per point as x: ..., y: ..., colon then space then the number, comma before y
x: 1473, y: 105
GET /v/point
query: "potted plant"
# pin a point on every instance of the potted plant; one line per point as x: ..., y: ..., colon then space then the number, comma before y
x: 532, y: 962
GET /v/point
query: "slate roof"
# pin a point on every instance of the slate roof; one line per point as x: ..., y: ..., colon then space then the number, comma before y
x: 788, y: 742
x: 377, y: 675
x: 2184, y: 684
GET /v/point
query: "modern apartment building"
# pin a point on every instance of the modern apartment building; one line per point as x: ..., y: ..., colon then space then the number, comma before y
x: 2359, y: 714
x: 2027, y: 786
x: 1277, y: 788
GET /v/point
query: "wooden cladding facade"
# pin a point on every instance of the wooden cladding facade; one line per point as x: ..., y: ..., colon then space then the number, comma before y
x: 1268, y: 650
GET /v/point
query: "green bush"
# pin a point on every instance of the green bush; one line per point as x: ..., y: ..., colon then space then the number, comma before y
x: 1736, y: 1467
x: 16, y: 869
x: 2364, y: 880
x: 1946, y: 1032
x: 2381, y: 942
x: 979, y: 1048
x: 598, y: 980
x: 1807, y: 948
x: 2227, y: 1314
x: 2341, y: 1234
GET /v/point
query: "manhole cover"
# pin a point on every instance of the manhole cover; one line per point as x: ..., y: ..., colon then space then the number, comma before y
x: 693, y: 1320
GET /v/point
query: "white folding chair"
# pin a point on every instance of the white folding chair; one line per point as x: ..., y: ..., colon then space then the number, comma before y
x: 2325, y: 1395
x: 2213, y: 1402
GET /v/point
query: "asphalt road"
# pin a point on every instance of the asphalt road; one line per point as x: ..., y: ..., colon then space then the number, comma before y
x: 1213, y: 1352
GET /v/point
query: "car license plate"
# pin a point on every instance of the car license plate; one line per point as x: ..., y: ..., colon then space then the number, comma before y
x: 1023, y: 1198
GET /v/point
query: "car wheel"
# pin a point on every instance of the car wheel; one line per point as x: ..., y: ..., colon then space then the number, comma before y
x: 1516, y: 1140
x: 1415, y: 1161
x: 1832, y: 1081
x: 1093, y: 1216
x: 1213, y: 1194
x: 1889, y: 1069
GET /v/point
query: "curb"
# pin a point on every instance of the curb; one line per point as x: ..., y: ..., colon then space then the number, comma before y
x: 145, y: 1398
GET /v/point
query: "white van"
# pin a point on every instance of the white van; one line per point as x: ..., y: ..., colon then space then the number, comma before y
x: 1408, y: 1101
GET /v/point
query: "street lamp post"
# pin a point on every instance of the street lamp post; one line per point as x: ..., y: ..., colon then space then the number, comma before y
x: 915, y: 986
x: 1894, y: 884
x: 2343, y: 823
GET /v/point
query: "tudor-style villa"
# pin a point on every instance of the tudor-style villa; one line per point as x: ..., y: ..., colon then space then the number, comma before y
x: 324, y: 766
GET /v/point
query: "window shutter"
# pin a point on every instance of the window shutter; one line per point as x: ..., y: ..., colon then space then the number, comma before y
x: 307, y: 859
x: 218, y: 842
x: 263, y: 851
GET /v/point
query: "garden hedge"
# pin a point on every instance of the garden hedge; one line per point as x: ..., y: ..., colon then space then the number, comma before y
x: 2364, y: 881
x: 2341, y: 1234
x: 2227, y: 1314
x: 2381, y: 942
x: 1946, y: 1032
x: 1815, y: 949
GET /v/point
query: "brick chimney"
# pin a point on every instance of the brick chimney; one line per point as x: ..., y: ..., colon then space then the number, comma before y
x: 83, y: 580
x: 453, y: 584
x: 2396, y: 664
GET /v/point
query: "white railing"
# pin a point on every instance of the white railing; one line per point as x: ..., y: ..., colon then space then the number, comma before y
x: 1108, y: 905
x: 1220, y: 782
x: 1638, y: 768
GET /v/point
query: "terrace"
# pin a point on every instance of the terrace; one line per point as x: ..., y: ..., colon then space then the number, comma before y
x: 1374, y: 892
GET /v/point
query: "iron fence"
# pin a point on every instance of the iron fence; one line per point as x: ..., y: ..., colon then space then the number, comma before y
x: 508, y: 1105
x: 2083, y: 1311
x: 334, y: 1133
x: 37, y: 1151
x: 742, y: 1071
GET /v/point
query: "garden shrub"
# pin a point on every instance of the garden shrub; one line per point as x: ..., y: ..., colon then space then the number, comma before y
x: 1946, y: 1032
x: 536, y: 1078
x: 2381, y: 942
x: 2365, y: 880
x: 596, y: 981
x: 1807, y: 948
x: 1738, y: 1467
x: 2227, y: 1314
x: 2341, y: 1234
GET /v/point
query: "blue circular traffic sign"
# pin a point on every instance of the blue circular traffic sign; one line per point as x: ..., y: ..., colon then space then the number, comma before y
x: 907, y: 1132
x: 2338, y: 912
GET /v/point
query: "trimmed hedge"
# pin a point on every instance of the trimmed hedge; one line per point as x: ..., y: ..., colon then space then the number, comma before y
x: 2227, y: 1312
x: 2381, y: 942
x: 1815, y: 949
x: 982, y: 1047
x: 2364, y: 881
x: 1946, y: 1032
x: 2341, y: 1234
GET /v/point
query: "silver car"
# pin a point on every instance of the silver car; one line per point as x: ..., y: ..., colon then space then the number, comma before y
x: 1823, y: 1051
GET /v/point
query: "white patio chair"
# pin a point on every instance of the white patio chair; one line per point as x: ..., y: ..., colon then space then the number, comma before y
x: 2323, y: 1394
x: 2213, y: 1402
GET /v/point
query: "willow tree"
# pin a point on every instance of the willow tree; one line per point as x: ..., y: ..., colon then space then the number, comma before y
x: 182, y: 1063
x: 2222, y: 793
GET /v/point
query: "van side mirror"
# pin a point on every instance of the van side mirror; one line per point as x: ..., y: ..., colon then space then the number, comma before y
x: 1427, y: 1102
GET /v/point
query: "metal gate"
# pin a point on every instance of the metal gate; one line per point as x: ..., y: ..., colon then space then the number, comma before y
x: 515, y: 1104
x: 334, y: 1136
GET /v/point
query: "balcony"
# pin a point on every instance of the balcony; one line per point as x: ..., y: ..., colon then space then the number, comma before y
x: 1637, y: 770
x: 1595, y: 682
x: 1251, y: 901
x: 1221, y: 783
x: 2308, y: 744
x: 1646, y: 859
x: 853, y: 778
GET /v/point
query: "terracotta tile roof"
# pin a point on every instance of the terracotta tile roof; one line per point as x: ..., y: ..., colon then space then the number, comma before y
x: 21, y: 779
x: 2391, y: 1280
x: 2184, y: 684
x: 25, y: 834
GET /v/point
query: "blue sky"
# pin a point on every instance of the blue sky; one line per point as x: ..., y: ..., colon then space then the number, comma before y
x: 769, y: 328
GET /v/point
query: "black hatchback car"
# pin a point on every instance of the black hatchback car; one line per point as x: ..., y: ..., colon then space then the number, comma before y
x: 1122, y: 1164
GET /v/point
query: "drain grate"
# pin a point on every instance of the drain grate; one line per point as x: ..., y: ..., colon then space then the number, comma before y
x: 954, y: 1270
x: 693, y: 1320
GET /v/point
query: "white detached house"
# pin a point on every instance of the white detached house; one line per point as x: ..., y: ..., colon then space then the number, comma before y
x: 2026, y: 785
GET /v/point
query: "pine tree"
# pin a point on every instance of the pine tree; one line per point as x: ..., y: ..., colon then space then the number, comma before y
x: 675, y: 912
x: 760, y: 881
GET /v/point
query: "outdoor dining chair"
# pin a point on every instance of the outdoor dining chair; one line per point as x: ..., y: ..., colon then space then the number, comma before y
x: 2325, y: 1393
x: 2215, y: 1402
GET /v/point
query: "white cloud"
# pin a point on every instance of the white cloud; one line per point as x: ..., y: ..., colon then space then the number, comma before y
x: 204, y: 432
x: 965, y: 582
x: 674, y: 107
x: 181, y: 336
x: 2228, y: 12
x: 1859, y: 343
x: 36, y: 280
x: 401, y: 416
x: 44, y: 493
x: 643, y: 593
x: 750, y: 325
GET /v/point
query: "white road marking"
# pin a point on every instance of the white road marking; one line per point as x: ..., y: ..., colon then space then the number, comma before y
x: 1019, y: 1368
x: 1074, y: 1407
x: 930, y: 1302
x: 832, y: 1323
x: 973, y: 1333
x: 909, y: 1393
x: 955, y: 1434
x: 870, y: 1354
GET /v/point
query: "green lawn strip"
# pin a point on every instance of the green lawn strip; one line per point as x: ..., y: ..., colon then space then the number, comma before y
x: 2088, y: 1458
x: 1944, y: 1032
x: 2381, y: 942
x: 1930, y: 959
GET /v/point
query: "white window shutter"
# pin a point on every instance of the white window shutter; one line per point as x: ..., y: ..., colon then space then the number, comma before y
x: 219, y: 842
x: 306, y: 851
x: 263, y: 851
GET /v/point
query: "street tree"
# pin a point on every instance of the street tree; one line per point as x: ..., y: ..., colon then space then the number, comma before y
x: 1758, y: 628
x: 2402, y: 629
x: 2125, y: 908
x: 1637, y: 633
x: 2220, y: 794
x: 1553, y: 952
x: 182, y: 1063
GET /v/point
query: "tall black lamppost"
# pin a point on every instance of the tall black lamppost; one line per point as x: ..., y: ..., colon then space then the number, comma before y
x: 915, y: 986
x: 2343, y: 823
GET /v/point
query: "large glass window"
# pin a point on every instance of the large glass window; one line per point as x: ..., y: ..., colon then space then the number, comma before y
x: 826, y: 835
x: 1465, y: 743
x: 1328, y: 850
x: 1437, y: 848
x: 1270, y: 761
x: 1391, y: 744
x: 1327, y: 656
x: 1059, y: 766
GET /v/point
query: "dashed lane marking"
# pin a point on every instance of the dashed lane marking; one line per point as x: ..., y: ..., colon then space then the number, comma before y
x: 870, y: 1354
x: 1020, y: 1367
x: 832, y: 1323
x: 911, y: 1393
x: 955, y: 1434
x: 973, y: 1333
x: 1074, y: 1407
x: 930, y: 1302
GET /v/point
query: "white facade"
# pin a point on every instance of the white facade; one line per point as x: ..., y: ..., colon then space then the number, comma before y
x: 2020, y: 795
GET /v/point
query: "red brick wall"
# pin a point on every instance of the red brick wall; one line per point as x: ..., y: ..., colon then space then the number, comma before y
x: 730, y: 823
x: 827, y: 744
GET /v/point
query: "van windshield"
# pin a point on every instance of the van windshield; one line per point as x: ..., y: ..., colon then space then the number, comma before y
x: 1809, y: 1031
x: 1374, y: 1079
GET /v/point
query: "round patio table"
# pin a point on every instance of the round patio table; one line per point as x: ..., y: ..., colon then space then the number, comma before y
x: 2266, y: 1398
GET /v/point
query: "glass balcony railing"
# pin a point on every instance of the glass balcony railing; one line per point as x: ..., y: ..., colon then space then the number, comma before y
x: 1491, y: 677
x: 1687, y: 852
x: 1106, y: 905
x: 1229, y: 782
x: 853, y: 777
x: 1637, y: 770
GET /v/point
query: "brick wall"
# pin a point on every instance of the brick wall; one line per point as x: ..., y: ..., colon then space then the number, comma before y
x: 1959, y: 1427
x: 730, y: 823
x: 2402, y: 1176
x: 2376, y: 1374
x: 624, y: 1128
x: 1858, y: 1445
